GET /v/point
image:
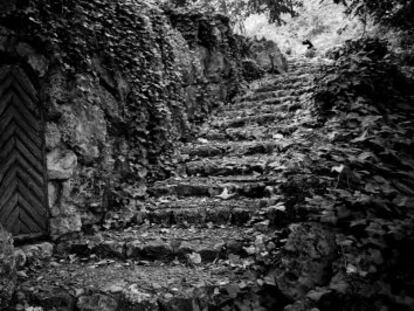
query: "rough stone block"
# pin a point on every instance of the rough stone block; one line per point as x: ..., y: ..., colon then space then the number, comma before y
x: 61, y: 164
x: 60, y: 226
x: 97, y: 302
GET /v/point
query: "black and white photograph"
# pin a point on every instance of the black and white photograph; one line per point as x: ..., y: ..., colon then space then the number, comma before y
x: 206, y: 155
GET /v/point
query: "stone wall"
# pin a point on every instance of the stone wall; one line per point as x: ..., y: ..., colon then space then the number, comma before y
x: 110, y: 126
x: 7, y: 268
x: 209, y: 55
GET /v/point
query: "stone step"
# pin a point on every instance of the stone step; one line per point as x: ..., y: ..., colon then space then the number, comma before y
x: 306, y: 62
x: 220, y: 148
x: 272, y: 85
x: 244, y: 186
x: 283, y: 83
x: 235, y: 165
x: 238, y: 122
x: 258, y: 96
x: 114, y: 285
x: 161, y: 244
x: 253, y: 132
x: 270, y: 106
x: 270, y: 101
x: 295, y: 67
x: 298, y: 71
x: 202, y: 212
x: 281, y: 111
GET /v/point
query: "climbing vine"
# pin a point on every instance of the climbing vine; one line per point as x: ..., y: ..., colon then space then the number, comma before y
x: 77, y: 33
x: 364, y: 74
x: 126, y: 46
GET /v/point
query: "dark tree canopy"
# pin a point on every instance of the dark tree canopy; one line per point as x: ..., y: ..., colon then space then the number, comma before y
x: 274, y: 8
x: 398, y: 13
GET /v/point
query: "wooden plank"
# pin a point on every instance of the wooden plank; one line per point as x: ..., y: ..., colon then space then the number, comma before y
x: 26, y: 225
x: 28, y: 195
x: 25, y: 83
x: 28, y: 102
x: 30, y: 137
x: 9, y: 177
x: 30, y: 152
x: 25, y: 113
x: 7, y: 144
x: 8, y: 203
x: 40, y: 214
x: 5, y: 101
x: 32, y: 186
x: 6, y: 118
x: 9, y: 206
x: 30, y: 105
x: 12, y: 223
x: 5, y: 85
x: 35, y: 219
x: 5, y: 71
x: 30, y: 160
x: 38, y: 177
x: 6, y: 166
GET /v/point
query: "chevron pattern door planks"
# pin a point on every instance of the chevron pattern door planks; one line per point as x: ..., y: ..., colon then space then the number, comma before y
x: 23, y: 181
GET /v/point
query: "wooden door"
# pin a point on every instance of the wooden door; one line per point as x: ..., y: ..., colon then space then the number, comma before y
x: 23, y: 178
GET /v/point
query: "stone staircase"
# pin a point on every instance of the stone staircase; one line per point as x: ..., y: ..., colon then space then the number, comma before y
x: 193, y: 244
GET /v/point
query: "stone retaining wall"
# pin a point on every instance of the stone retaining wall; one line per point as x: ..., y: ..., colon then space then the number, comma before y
x: 96, y: 163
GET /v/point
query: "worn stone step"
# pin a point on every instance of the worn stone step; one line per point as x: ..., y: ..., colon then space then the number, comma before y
x: 114, y: 286
x: 300, y: 70
x: 245, y: 186
x: 288, y: 82
x: 202, y: 212
x: 305, y: 63
x: 249, y: 109
x: 295, y: 73
x: 221, y: 148
x: 269, y: 101
x: 274, y: 101
x: 296, y: 68
x: 234, y: 165
x: 289, y: 100
x: 252, y: 108
x: 161, y: 244
x: 279, y: 111
x: 276, y: 85
x: 253, y: 132
x: 259, y: 96
x: 229, y: 122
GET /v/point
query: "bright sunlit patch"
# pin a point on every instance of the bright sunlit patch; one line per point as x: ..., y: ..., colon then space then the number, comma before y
x: 324, y: 24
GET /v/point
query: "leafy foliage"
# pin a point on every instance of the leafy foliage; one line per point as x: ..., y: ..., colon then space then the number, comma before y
x: 129, y: 48
x: 239, y: 10
x: 104, y: 39
x: 366, y: 105
x: 398, y: 13
x: 364, y: 73
x: 275, y: 8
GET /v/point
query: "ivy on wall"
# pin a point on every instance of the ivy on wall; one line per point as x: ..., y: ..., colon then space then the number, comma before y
x: 126, y: 46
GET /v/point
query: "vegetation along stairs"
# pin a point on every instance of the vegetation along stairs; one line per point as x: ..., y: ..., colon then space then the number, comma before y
x: 193, y: 246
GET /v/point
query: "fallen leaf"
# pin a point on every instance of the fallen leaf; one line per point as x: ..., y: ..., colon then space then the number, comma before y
x: 194, y: 258
x: 22, y: 274
x: 225, y: 195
